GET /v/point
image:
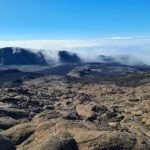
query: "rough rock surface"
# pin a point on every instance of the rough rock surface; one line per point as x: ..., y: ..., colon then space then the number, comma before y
x: 52, y: 113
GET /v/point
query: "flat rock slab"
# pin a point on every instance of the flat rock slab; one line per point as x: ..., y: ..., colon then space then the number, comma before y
x: 7, y: 122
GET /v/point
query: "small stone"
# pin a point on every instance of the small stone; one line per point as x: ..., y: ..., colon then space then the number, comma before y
x: 113, y: 124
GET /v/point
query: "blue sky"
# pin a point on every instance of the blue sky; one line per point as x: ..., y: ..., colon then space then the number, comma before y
x: 73, y: 19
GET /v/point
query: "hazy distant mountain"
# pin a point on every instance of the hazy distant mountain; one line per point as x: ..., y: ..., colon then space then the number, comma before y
x: 20, y: 56
x: 108, y: 59
x: 122, y: 59
x: 68, y: 57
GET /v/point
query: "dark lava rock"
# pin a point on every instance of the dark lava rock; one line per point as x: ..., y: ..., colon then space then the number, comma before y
x: 99, y: 108
x: 9, y: 71
x: 92, y: 117
x: 22, y: 91
x: 10, y: 100
x: 70, y: 116
x: 5, y: 143
x: 111, y: 114
x: 14, y: 113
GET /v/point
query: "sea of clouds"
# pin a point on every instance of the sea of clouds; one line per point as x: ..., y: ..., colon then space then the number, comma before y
x: 89, y: 49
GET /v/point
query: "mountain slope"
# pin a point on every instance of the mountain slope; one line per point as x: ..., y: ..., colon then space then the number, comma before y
x: 20, y: 56
x: 67, y: 57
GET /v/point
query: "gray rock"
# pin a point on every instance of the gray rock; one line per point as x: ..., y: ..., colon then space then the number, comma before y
x: 14, y: 113
x: 19, y: 133
x: 7, y: 122
x: 70, y: 116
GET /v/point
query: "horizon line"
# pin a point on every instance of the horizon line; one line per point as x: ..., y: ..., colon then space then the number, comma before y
x: 78, y: 39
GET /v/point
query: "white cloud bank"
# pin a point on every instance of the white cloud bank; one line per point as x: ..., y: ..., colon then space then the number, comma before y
x: 89, y: 49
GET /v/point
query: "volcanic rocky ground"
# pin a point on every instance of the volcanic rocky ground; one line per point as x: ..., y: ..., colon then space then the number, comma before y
x: 89, y: 107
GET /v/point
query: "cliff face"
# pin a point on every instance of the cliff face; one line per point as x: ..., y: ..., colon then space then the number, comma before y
x: 67, y: 57
x: 20, y: 56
